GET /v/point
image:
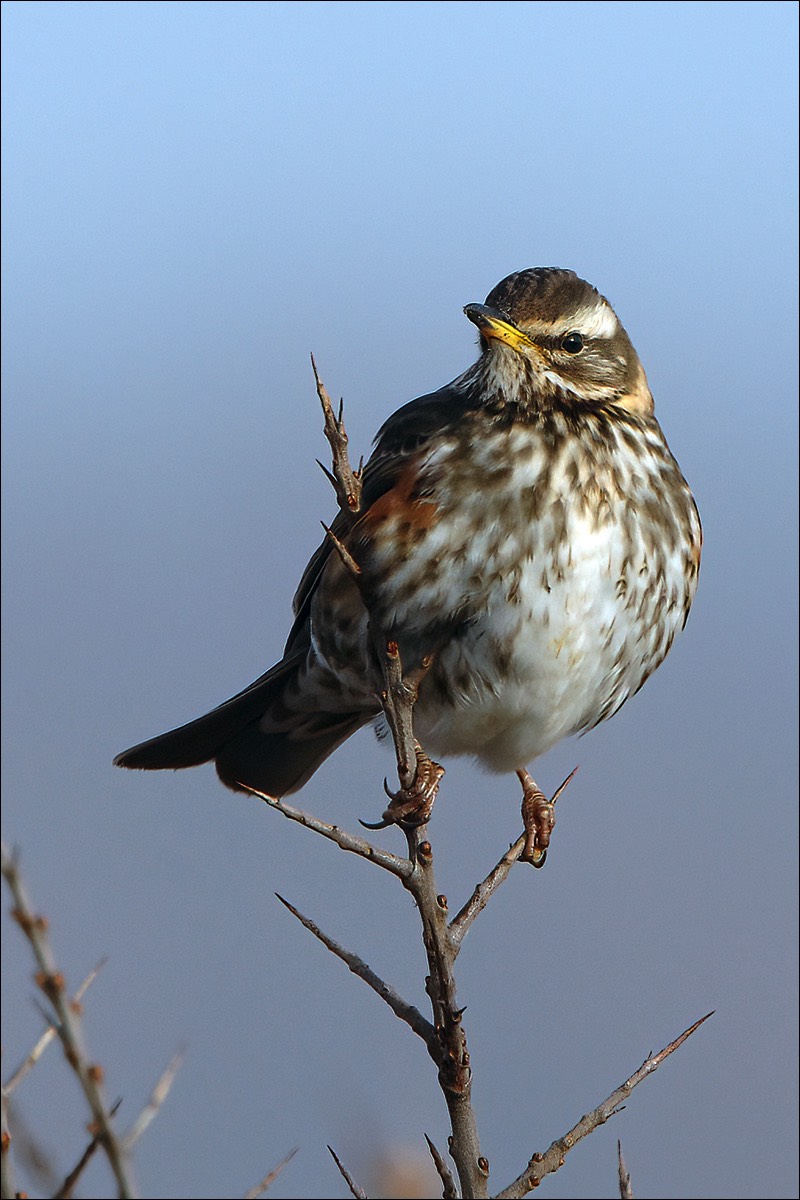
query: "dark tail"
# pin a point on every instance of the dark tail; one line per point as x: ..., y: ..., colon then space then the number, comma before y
x: 255, y: 739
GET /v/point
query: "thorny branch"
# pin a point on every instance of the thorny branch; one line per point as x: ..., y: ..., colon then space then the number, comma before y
x: 419, y: 780
x: 545, y: 1164
x: 68, y: 1026
x: 51, y: 1032
x: 17, y: 1076
x: 399, y: 691
x: 346, y: 481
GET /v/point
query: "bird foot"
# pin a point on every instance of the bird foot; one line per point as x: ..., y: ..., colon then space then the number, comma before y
x: 412, y: 806
x: 538, y: 818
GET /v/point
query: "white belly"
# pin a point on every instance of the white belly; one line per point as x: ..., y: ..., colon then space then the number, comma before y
x: 563, y: 655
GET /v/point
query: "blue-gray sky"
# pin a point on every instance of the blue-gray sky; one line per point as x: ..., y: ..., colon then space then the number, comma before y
x: 197, y: 195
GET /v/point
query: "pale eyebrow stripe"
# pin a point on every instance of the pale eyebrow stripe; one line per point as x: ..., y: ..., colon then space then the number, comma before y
x: 598, y: 321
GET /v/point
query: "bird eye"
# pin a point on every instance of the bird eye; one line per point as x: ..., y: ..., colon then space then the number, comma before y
x: 572, y: 343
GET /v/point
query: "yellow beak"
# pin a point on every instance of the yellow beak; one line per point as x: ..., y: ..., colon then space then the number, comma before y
x: 494, y: 325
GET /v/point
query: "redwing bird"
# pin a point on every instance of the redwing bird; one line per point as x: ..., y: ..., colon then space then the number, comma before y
x: 526, y: 526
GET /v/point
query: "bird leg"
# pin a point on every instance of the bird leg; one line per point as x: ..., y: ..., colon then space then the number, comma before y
x: 538, y: 817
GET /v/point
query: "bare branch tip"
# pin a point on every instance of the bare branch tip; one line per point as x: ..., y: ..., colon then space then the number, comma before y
x: 449, y: 1191
x: 563, y: 786
x: 342, y: 551
x: 355, y: 1190
x: 261, y: 1187
x: 625, y: 1189
x: 692, y: 1028
x: 286, y: 904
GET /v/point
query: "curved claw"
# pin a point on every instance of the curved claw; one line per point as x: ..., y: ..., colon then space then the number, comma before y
x: 411, y: 807
x: 382, y: 824
x: 385, y: 820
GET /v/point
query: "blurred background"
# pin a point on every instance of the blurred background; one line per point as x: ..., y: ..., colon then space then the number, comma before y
x: 198, y: 195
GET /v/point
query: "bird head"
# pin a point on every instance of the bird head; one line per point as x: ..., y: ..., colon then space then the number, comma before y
x: 544, y: 332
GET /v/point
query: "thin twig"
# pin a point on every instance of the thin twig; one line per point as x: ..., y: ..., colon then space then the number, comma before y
x: 400, y: 1007
x: 68, y: 1186
x: 449, y: 1189
x: 462, y: 921
x: 343, y: 552
x: 625, y: 1189
x: 269, y: 1179
x: 545, y: 1164
x: 355, y: 1190
x: 157, y: 1098
x: 50, y: 1033
x: 483, y: 893
x: 51, y: 982
x: 7, y: 1184
x: 346, y: 841
x: 64, y: 1192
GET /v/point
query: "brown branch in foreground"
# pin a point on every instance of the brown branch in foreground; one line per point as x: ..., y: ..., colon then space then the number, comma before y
x: 625, y: 1189
x: 49, y: 1034
x: 270, y: 1178
x: 545, y: 1164
x: 65, y: 1191
x: 67, y: 1188
x: 51, y: 982
x: 355, y: 1190
x: 7, y: 1184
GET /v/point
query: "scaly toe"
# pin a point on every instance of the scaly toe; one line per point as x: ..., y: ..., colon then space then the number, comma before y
x: 413, y: 806
x: 538, y: 818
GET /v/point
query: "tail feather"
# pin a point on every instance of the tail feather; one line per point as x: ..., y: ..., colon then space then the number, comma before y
x: 251, y: 748
x: 280, y: 762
